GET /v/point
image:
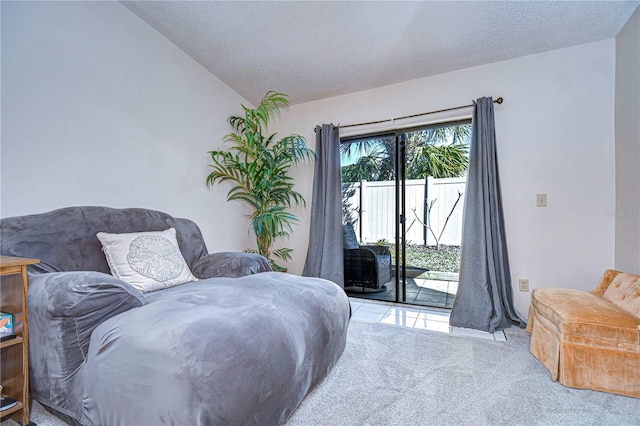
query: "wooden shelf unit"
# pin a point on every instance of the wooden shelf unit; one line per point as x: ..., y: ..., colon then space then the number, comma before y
x: 14, y: 353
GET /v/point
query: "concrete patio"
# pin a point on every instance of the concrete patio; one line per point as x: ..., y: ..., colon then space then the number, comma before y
x: 429, y: 288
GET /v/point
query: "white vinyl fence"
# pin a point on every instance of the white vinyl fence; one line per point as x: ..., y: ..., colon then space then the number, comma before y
x: 371, y: 206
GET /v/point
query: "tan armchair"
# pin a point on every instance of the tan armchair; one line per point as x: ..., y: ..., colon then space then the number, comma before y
x: 590, y: 340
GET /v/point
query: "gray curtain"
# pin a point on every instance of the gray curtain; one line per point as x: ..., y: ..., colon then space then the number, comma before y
x: 325, y: 254
x: 485, y: 298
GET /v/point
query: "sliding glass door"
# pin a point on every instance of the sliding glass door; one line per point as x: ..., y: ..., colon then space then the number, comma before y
x: 369, y: 191
x: 402, y: 209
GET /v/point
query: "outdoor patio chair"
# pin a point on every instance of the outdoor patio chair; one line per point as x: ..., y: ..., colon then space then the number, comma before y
x: 365, y: 266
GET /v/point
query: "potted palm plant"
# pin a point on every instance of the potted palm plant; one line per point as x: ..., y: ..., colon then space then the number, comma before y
x: 257, y: 164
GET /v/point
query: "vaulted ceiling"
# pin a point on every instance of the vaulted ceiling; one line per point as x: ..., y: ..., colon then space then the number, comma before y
x: 317, y: 49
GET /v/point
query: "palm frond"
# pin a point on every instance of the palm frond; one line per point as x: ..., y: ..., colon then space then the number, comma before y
x: 238, y: 123
x: 283, y: 253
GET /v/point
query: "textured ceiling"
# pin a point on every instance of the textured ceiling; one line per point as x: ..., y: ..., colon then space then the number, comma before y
x: 317, y: 49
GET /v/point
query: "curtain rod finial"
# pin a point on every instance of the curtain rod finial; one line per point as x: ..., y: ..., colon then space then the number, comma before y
x: 499, y: 100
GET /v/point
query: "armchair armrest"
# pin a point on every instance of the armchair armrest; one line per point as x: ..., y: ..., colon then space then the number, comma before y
x: 378, y: 249
x: 230, y: 264
x: 365, y: 256
x: 79, y: 293
x: 63, y: 309
x: 606, y: 279
x: 359, y: 255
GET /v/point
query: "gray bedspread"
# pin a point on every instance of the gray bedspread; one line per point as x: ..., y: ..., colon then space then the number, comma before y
x: 216, y: 351
x: 242, y: 345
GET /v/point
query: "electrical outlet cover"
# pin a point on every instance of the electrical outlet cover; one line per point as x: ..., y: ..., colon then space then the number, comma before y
x: 541, y: 200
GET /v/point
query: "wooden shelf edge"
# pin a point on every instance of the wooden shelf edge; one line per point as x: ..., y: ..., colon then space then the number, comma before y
x: 12, y: 342
x: 17, y: 261
x: 11, y: 410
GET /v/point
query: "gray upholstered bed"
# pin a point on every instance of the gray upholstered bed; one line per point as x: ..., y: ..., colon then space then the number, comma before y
x: 242, y: 345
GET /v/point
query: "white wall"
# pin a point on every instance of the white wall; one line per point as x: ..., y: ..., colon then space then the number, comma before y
x: 100, y: 109
x: 555, y: 135
x: 627, y: 212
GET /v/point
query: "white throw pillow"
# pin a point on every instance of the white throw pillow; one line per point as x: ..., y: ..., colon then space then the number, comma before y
x: 147, y: 260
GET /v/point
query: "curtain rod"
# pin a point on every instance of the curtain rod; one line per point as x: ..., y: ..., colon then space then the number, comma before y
x: 497, y: 101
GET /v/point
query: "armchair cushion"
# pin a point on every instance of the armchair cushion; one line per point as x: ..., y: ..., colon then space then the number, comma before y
x: 382, y: 256
x: 349, y: 237
x: 624, y: 292
x: 574, y: 317
x: 383, y: 261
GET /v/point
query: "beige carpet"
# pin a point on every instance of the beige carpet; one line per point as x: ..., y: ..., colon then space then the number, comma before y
x: 397, y: 376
